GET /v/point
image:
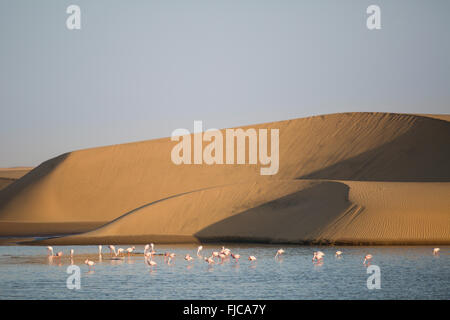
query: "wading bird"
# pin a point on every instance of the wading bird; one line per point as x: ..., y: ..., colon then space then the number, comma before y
x: 89, y: 263
x: 338, y: 254
x: 130, y: 250
x: 436, y: 251
x: 100, y: 250
x: 119, y: 251
x: 367, y: 258
x: 71, y: 253
x: 188, y: 258
x: 199, y: 249
x: 279, y: 253
x: 210, y: 260
x: 112, y: 250
x: 252, y: 258
x: 235, y: 257
x: 50, y: 251
x: 318, y: 256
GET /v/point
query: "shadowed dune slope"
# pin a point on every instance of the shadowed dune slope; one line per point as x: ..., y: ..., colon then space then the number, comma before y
x: 268, y: 211
x: 288, y: 212
x: 103, y: 184
x: 9, y: 175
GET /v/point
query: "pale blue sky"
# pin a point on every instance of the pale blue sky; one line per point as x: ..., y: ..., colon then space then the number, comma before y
x: 138, y: 70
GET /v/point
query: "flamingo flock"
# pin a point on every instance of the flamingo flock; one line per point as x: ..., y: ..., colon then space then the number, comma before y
x: 215, y: 257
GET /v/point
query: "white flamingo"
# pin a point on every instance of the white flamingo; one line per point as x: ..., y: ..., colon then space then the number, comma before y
x: 130, y: 250
x: 99, y: 250
x: 119, y: 252
x: 188, y: 258
x: 252, y: 258
x: 150, y: 261
x: 71, y: 253
x: 89, y: 263
x: 112, y: 250
x: 436, y: 251
x: 199, y: 249
x: 50, y: 251
x: 338, y: 254
x: 279, y: 252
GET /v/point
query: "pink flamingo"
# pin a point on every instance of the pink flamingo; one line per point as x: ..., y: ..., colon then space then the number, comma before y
x: 210, y: 260
x: 188, y: 258
x: 368, y: 258
x: 252, y: 258
x: 318, y: 256
x: 235, y: 257
x: 436, y: 251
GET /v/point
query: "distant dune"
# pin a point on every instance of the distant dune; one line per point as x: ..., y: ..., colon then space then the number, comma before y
x: 9, y: 175
x: 353, y: 178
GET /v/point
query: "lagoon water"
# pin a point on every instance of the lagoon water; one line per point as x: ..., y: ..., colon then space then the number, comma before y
x: 406, y: 273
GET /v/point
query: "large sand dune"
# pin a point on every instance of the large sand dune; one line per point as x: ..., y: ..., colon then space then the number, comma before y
x: 351, y: 178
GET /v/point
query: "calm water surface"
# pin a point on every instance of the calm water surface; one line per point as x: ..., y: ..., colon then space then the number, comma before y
x: 406, y: 273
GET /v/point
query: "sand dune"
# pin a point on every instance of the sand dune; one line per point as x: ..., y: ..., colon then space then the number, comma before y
x: 9, y: 175
x: 138, y: 194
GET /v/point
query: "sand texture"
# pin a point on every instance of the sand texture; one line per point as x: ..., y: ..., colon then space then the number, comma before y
x: 353, y: 178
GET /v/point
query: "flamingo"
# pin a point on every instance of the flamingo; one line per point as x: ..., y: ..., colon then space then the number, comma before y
x: 215, y: 254
x: 119, y: 252
x: 130, y: 250
x: 235, y: 257
x: 59, y: 254
x: 71, y: 253
x: 252, y: 258
x: 318, y: 256
x: 99, y: 250
x: 338, y: 254
x: 436, y: 251
x: 171, y: 256
x: 188, y: 258
x: 225, y: 251
x: 148, y: 247
x: 210, y: 260
x: 89, y: 263
x: 222, y: 256
x: 112, y: 249
x: 368, y: 258
x: 150, y: 261
x: 200, y: 248
x: 279, y: 252
x: 50, y: 251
